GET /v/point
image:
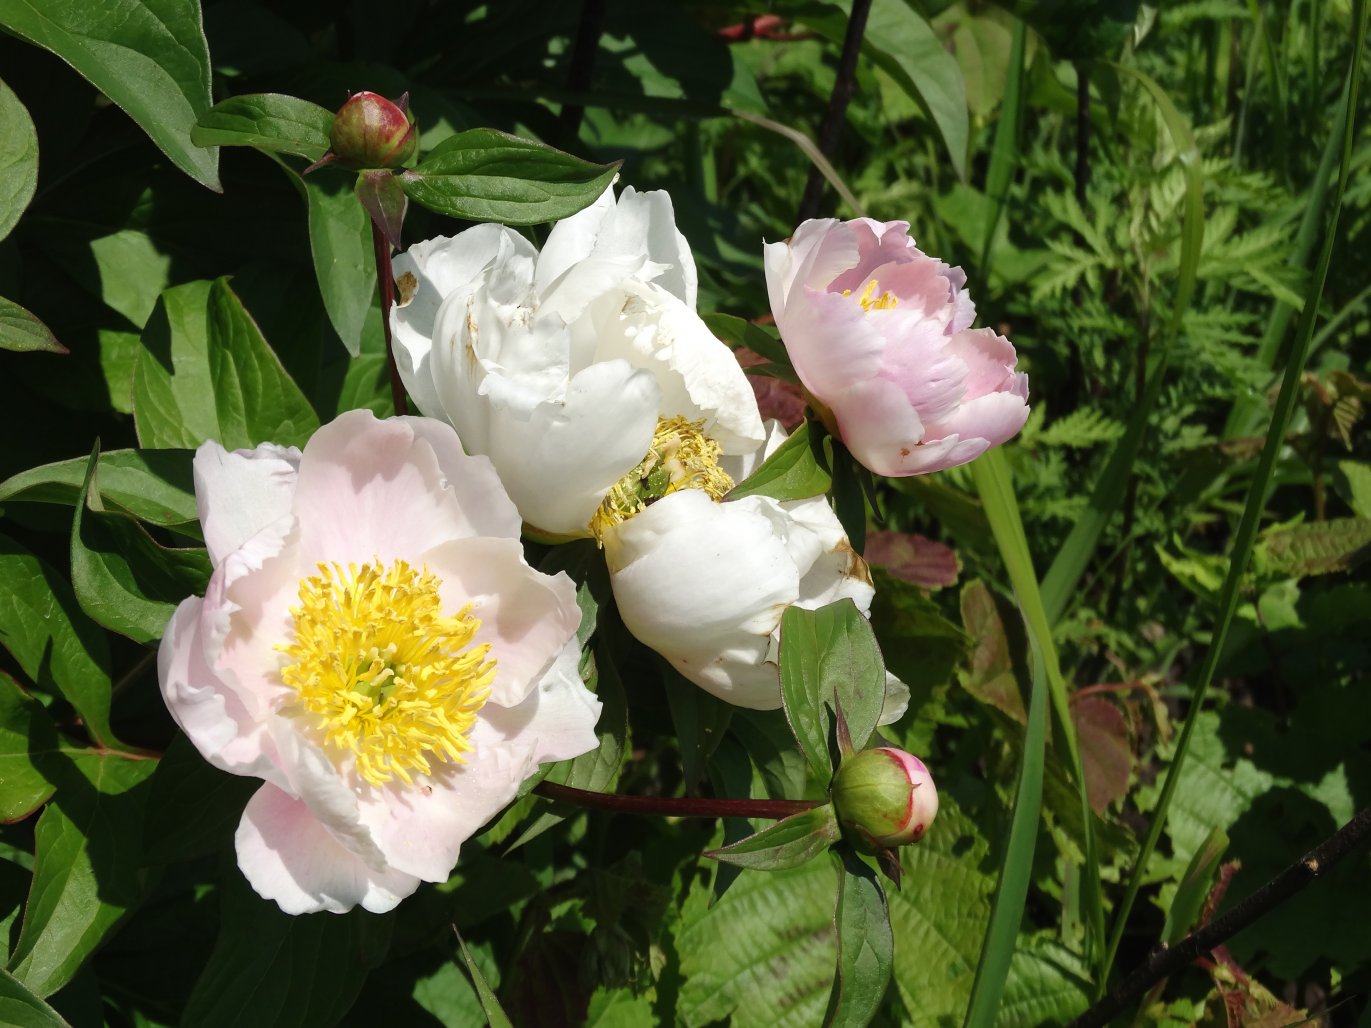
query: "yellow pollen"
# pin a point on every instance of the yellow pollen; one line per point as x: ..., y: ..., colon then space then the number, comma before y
x: 681, y: 457
x: 381, y: 674
x: 883, y: 302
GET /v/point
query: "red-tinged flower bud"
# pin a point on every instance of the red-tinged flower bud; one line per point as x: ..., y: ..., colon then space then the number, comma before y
x: 370, y: 131
x: 884, y: 797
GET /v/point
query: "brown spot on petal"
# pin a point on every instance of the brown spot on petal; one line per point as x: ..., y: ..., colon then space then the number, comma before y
x: 904, y: 451
x: 405, y: 288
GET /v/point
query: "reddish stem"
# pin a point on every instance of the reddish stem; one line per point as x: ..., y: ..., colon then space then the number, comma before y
x: 386, y: 280
x: 668, y: 806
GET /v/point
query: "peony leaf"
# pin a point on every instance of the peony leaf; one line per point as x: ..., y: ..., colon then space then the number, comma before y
x: 18, y: 159
x: 268, y: 121
x: 340, y: 242
x: 22, y: 1009
x: 272, y: 970
x: 148, y: 56
x: 738, y: 332
x: 791, y: 473
x: 490, y: 1006
x: 205, y: 372
x: 52, y: 641
x: 27, y: 736
x: 87, y: 873
x: 151, y: 485
x: 485, y: 175
x: 20, y: 331
x: 790, y: 842
x: 866, y: 945
x: 124, y: 580
x: 193, y: 807
x: 830, y: 658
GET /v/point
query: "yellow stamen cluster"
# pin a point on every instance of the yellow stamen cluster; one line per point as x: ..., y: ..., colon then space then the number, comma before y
x: 681, y: 457
x: 870, y: 302
x: 382, y: 673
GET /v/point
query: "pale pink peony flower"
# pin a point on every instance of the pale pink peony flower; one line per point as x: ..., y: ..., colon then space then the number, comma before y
x: 373, y: 646
x: 880, y: 334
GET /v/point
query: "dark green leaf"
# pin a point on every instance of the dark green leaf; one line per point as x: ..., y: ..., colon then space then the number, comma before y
x: 124, y: 580
x: 86, y: 868
x: 272, y: 970
x: 205, y: 372
x: 921, y: 647
x: 738, y: 332
x: 54, y: 644
x: 866, y: 945
x: 495, y: 1015
x: 268, y: 121
x: 193, y: 807
x: 155, y: 486
x: 18, y: 159
x: 27, y: 736
x: 22, y: 332
x: 22, y: 1009
x: 485, y: 175
x: 700, y: 721
x: 791, y: 473
x: 344, y: 263
x: 148, y: 56
x: 829, y: 655
x: 790, y: 842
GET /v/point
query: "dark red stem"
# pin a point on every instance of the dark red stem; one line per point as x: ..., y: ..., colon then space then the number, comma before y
x: 386, y: 281
x: 669, y: 806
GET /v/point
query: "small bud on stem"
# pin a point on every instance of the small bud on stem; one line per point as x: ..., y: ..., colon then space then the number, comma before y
x: 370, y: 131
x: 884, y: 797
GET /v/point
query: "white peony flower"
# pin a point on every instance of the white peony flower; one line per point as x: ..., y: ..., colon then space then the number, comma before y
x: 704, y: 582
x: 561, y: 365
x: 374, y: 647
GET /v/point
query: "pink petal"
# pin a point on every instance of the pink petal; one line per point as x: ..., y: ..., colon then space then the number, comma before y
x: 879, y: 426
x: 289, y: 857
x: 526, y: 616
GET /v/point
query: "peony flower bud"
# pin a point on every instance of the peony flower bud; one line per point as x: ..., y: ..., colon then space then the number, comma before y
x: 880, y: 335
x: 370, y: 131
x: 885, y: 797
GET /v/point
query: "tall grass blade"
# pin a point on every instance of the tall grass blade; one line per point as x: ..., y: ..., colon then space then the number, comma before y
x: 1064, y: 575
x: 1011, y: 893
x: 996, y: 489
x: 1256, y: 501
x: 1004, y: 154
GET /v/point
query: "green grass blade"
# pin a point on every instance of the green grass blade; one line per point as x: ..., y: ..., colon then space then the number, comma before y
x: 996, y: 489
x: 1004, y: 154
x: 1256, y: 501
x: 1064, y: 575
x: 1011, y: 892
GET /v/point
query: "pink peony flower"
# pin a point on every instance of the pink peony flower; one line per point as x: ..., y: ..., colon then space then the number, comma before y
x: 880, y: 334
x: 373, y: 646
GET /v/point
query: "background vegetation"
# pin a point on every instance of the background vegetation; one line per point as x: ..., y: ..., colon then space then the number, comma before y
x: 1143, y: 199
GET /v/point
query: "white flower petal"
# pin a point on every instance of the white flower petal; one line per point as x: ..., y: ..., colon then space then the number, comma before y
x: 289, y: 857
x: 238, y: 494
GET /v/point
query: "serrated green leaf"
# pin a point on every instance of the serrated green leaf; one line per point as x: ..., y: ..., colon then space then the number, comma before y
x: 272, y: 970
x: 485, y: 175
x: 18, y: 159
x: 20, y: 1008
x: 791, y: 473
x: 830, y: 655
x: 124, y: 580
x: 148, y: 56
x: 1315, y: 548
x: 790, y: 842
x: 205, y: 372
x: 21, y: 332
x: 764, y: 953
x: 939, y: 915
x: 268, y: 121
x: 86, y: 869
x: 344, y: 264
x: 866, y: 945
x: 155, y: 486
x: 53, y: 642
x: 1047, y: 984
